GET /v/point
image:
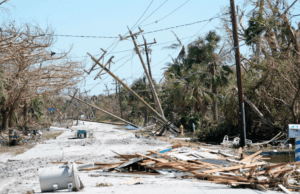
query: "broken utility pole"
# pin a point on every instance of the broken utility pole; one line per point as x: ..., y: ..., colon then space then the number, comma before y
x: 118, y: 95
x: 104, y: 52
x: 147, y: 54
x: 135, y: 94
x: 106, y: 112
x: 242, y: 121
x: 156, y: 100
x: 107, y: 63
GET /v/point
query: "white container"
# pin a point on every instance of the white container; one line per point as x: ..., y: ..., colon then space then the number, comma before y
x: 58, y: 178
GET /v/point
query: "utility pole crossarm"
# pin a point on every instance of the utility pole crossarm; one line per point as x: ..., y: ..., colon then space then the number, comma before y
x: 107, y: 63
x: 88, y: 72
x: 147, y: 43
x: 121, y: 38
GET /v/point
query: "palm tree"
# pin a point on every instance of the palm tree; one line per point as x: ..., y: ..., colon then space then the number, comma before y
x: 141, y: 86
x: 202, y: 52
x: 191, y: 93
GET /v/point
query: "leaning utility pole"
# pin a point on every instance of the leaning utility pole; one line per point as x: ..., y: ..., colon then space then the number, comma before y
x: 242, y: 121
x: 136, y: 95
x: 157, y: 102
x: 120, y: 99
x: 96, y: 107
x: 147, y: 55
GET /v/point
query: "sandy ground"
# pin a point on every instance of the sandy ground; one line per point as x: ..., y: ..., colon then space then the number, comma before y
x: 20, y: 174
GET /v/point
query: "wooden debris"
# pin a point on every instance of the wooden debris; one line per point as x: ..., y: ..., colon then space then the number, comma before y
x: 147, y: 163
x: 240, y: 153
x: 245, y: 171
x: 233, y: 168
x: 120, y: 155
x: 284, y: 189
x: 154, y: 159
x: 249, y: 158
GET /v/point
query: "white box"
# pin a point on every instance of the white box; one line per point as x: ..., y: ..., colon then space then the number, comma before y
x: 294, y: 131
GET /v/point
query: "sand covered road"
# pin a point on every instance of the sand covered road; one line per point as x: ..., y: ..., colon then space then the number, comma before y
x: 19, y: 174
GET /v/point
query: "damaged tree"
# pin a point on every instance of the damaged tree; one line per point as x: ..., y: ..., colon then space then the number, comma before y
x: 28, y: 70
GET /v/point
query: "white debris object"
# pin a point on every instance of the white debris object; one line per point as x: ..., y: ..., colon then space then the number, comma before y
x: 59, y: 177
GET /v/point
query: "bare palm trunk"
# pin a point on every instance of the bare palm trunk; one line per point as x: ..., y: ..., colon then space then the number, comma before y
x: 25, y: 113
x: 10, y: 117
x: 215, y: 104
x: 146, y: 117
x: 215, y: 92
x: 4, y: 120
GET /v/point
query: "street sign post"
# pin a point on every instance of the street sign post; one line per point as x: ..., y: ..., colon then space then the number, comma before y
x: 294, y: 132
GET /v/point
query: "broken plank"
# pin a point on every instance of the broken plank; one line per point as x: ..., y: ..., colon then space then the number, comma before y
x: 147, y: 163
x: 132, y: 161
x: 151, y: 158
x: 168, y: 163
x: 97, y: 174
x: 233, y: 168
x: 105, y: 167
x: 249, y: 158
x: 101, y: 163
x: 284, y: 189
x: 219, y: 152
x: 236, y: 161
x: 205, y: 163
x: 221, y: 181
x: 120, y: 155
x: 237, y: 178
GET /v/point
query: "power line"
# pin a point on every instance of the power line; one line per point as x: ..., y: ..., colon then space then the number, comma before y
x: 153, y: 12
x: 79, y: 36
x: 167, y: 14
x: 210, y: 19
x: 142, y: 14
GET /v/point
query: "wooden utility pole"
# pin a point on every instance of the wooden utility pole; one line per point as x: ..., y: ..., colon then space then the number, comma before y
x: 148, y: 60
x: 242, y: 120
x: 107, y: 90
x: 117, y: 97
x: 107, y: 63
x: 88, y: 72
x: 135, y: 94
x: 120, y: 99
x: 96, y: 107
x: 156, y: 100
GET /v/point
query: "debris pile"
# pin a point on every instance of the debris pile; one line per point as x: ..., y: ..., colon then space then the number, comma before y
x: 15, y: 137
x: 212, y: 165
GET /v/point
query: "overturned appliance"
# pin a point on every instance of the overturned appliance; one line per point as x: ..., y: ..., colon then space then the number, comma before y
x: 59, y: 178
x: 81, y: 134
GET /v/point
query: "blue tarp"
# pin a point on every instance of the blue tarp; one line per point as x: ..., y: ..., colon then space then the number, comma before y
x: 163, y: 151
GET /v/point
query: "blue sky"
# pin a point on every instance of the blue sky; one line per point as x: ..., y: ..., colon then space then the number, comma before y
x: 111, y: 18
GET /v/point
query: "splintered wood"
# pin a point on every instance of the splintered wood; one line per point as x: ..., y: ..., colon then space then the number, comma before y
x: 211, y: 165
